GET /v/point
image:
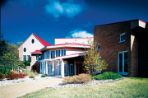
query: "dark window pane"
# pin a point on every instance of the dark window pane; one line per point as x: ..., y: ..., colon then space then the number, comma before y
x: 32, y: 41
x: 126, y: 62
x: 52, y: 54
x: 56, y: 53
x: 24, y: 49
x: 120, y: 62
x: 122, y: 37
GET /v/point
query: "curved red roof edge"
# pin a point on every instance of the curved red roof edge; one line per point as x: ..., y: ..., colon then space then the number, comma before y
x: 36, y: 52
x: 43, y: 42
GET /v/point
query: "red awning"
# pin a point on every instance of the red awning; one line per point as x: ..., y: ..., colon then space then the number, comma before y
x: 37, y: 52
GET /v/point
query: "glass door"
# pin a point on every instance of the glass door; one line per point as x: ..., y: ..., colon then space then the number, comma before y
x: 50, y: 69
x: 123, y: 63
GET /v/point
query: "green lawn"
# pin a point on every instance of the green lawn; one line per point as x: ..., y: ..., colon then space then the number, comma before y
x: 126, y: 88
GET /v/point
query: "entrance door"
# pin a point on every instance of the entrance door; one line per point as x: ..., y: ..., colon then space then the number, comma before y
x: 58, y: 70
x: 50, y: 69
x: 66, y: 69
x: 71, y: 70
x: 123, y: 63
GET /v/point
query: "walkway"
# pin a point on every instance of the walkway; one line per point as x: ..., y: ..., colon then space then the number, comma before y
x: 19, y: 89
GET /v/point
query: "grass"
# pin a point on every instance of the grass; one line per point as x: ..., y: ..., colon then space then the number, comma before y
x: 126, y: 88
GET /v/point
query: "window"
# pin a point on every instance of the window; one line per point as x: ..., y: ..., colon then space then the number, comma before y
x: 26, y: 58
x: 57, y: 53
x: 122, y: 37
x: 63, y: 52
x: 48, y: 54
x: 24, y: 49
x: 52, y: 54
x: 32, y: 41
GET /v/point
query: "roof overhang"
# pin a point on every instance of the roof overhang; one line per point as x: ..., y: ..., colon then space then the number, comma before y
x: 36, y: 52
x: 70, y: 45
x: 138, y: 23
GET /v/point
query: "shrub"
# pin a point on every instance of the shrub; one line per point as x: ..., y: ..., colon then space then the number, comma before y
x: 2, y: 76
x: 107, y: 75
x: 31, y: 74
x: 15, y: 75
x: 44, y: 75
x: 81, y: 78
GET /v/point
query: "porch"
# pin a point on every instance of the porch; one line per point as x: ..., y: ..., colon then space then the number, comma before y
x: 62, y: 67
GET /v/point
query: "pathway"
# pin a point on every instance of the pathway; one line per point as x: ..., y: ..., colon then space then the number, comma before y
x: 19, y: 89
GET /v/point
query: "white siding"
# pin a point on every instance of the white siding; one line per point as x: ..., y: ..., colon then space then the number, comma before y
x: 74, y: 40
x: 69, y: 52
x: 30, y: 47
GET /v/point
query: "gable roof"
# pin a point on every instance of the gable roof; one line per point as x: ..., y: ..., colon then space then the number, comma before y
x: 43, y: 42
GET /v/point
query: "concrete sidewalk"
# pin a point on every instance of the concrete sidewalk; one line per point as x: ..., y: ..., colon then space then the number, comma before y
x: 22, y: 88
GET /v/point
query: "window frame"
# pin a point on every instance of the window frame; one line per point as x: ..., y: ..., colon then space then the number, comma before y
x: 123, y: 62
x: 122, y: 40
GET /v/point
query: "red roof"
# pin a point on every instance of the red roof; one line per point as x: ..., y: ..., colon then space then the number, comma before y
x: 37, y: 52
x: 43, y: 42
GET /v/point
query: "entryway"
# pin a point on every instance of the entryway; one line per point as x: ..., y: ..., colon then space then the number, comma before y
x: 123, y: 62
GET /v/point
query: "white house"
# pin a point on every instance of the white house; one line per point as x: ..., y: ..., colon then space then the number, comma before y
x: 32, y: 44
x: 65, y: 58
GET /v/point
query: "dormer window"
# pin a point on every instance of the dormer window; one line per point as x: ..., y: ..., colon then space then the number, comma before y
x: 122, y: 37
x: 32, y: 41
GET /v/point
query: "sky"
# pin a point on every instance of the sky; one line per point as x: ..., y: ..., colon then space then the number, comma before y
x: 52, y: 19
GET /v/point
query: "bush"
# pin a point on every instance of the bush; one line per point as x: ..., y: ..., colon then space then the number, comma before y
x: 7, y: 69
x: 31, y: 74
x: 81, y: 78
x: 15, y: 75
x: 107, y: 75
x: 44, y: 75
x: 2, y: 76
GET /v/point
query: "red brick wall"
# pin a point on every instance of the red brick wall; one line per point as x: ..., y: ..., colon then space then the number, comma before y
x: 108, y: 38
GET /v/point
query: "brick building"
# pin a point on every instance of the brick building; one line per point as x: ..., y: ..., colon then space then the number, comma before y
x: 124, y: 45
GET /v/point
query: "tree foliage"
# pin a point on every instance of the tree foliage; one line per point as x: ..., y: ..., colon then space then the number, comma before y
x: 8, y: 54
x: 93, y: 62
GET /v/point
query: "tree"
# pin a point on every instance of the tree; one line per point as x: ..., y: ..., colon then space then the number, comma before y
x: 9, y: 54
x: 93, y: 62
x: 3, y: 48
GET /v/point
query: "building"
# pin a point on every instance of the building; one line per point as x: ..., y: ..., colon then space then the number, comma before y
x: 31, y: 45
x: 65, y: 58
x: 124, y: 45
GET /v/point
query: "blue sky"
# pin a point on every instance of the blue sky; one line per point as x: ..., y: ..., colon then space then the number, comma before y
x: 65, y: 18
